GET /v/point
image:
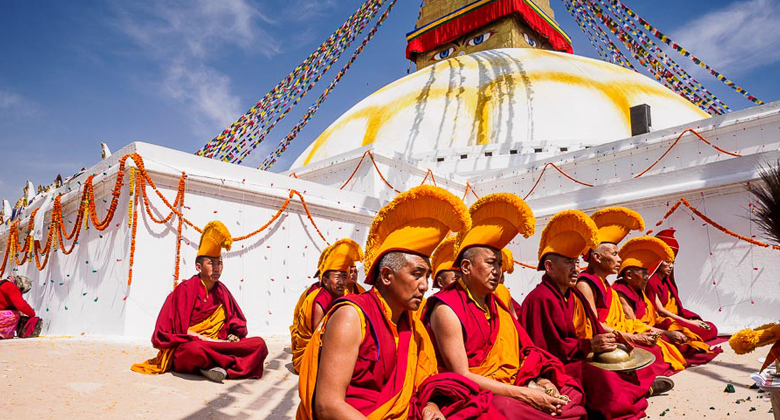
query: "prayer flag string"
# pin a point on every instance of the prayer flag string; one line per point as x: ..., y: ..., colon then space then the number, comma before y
x: 237, y: 141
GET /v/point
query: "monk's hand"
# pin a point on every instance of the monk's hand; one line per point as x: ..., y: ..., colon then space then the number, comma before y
x: 432, y: 412
x: 676, y: 337
x: 699, y: 323
x: 549, y: 387
x: 538, y: 399
x: 233, y: 338
x: 647, y: 338
x: 603, y: 342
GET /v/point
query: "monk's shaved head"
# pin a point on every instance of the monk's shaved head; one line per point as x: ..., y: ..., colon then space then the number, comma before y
x: 604, y: 258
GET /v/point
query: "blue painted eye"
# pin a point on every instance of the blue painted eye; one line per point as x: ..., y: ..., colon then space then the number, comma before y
x: 479, y: 39
x: 441, y: 55
x: 529, y: 40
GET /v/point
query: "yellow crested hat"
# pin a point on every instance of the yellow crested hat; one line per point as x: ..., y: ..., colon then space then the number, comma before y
x: 215, y: 236
x: 644, y: 252
x: 416, y: 221
x: 340, y: 256
x: 495, y: 220
x: 443, y: 257
x: 319, y: 261
x: 614, y: 223
x: 507, y: 261
x: 568, y: 233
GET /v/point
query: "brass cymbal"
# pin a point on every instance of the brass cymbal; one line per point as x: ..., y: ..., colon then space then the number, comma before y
x: 620, y: 360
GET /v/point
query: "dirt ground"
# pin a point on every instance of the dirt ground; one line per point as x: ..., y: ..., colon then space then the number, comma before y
x: 88, y: 378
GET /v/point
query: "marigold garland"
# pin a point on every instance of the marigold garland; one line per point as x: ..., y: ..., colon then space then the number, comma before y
x: 57, y: 235
x: 712, y: 223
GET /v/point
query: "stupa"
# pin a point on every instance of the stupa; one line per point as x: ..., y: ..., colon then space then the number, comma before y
x: 499, y: 103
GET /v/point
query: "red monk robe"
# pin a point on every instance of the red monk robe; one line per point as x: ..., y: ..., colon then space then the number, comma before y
x: 610, y: 312
x: 666, y: 291
x: 190, y: 304
x: 563, y: 326
x: 497, y: 347
x: 395, y: 365
x: 695, y: 351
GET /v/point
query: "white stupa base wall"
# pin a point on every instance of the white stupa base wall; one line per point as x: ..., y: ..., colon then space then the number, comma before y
x: 725, y: 280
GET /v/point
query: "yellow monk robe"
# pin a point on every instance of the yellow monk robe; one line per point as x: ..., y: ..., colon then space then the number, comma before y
x: 209, y: 328
x: 408, y: 344
x: 303, y: 325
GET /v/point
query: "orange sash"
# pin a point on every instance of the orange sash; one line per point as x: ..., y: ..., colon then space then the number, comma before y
x: 301, y: 330
x: 421, y: 364
x: 209, y: 328
x: 582, y: 326
x: 502, y: 363
x: 502, y: 293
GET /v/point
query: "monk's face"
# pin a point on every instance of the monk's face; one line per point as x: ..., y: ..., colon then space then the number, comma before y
x: 481, y: 267
x: 407, y: 285
x: 637, y: 277
x: 353, y: 275
x: 446, y: 278
x: 563, y: 271
x: 335, y: 282
x: 665, y: 269
x: 209, y: 268
x: 606, y: 256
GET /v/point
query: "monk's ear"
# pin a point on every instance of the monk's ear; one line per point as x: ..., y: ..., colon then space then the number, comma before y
x: 198, y: 267
x: 386, y: 275
x: 465, y: 266
x: 548, y: 265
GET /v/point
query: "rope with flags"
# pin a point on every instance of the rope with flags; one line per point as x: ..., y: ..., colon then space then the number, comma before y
x: 598, y: 18
x: 237, y: 141
x: 271, y: 159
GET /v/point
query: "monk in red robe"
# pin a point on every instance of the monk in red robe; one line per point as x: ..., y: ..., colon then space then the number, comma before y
x: 201, y: 328
x: 614, y: 224
x: 442, y: 260
x: 639, y: 255
x: 353, y: 287
x: 477, y: 336
x: 663, y: 293
x: 372, y: 357
x: 335, y: 264
x: 558, y: 319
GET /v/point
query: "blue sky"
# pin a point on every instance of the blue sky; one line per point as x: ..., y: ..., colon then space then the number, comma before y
x: 175, y: 73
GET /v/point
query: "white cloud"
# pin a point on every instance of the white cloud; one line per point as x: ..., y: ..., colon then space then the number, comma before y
x: 17, y: 106
x: 736, y: 38
x: 302, y: 10
x: 186, y: 38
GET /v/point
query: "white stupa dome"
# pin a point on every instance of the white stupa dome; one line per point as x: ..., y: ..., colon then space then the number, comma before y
x: 503, y: 96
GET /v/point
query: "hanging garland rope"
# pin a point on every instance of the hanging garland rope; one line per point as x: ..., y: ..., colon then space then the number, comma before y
x: 702, y: 216
x: 57, y: 234
x: 674, y: 143
x: 561, y: 172
x: 271, y: 159
x: 243, y: 136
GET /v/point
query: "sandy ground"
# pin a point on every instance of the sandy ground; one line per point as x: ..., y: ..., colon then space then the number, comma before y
x: 76, y: 377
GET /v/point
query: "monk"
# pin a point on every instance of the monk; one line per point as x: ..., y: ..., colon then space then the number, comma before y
x: 201, y: 328
x: 477, y: 336
x: 502, y: 292
x: 614, y: 224
x: 334, y: 268
x: 442, y: 260
x: 16, y: 315
x: 312, y: 288
x: 352, y: 284
x: 639, y: 255
x: 663, y: 293
x: 371, y: 357
x: 559, y: 320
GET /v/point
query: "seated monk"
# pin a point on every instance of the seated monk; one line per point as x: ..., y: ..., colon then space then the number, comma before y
x: 352, y: 285
x: 334, y: 268
x: 477, y: 336
x: 638, y: 256
x: 371, y: 357
x: 502, y: 292
x: 16, y: 315
x: 442, y: 260
x: 314, y: 287
x: 558, y: 319
x: 662, y: 291
x: 614, y: 224
x: 201, y: 327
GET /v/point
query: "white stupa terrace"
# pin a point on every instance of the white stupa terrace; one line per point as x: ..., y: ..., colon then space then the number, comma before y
x: 461, y: 135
